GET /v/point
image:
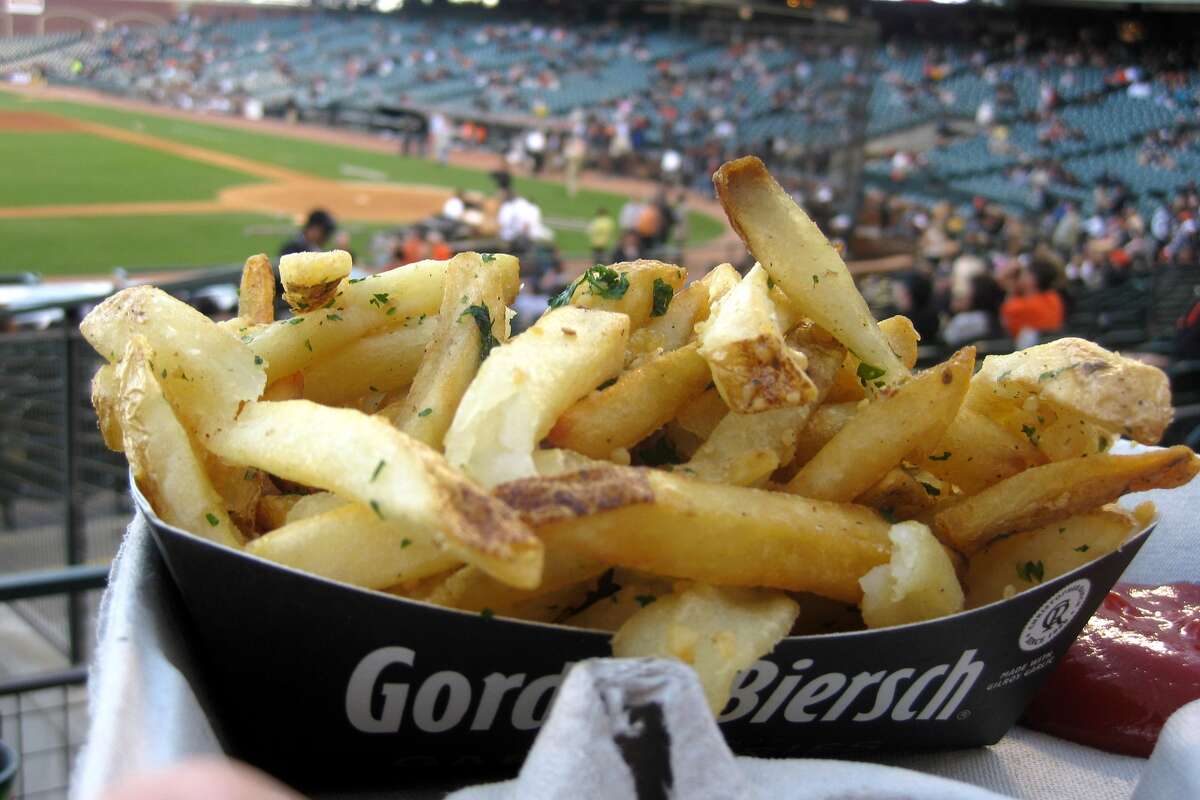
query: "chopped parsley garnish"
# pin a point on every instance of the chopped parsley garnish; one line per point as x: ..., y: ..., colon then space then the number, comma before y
x: 1103, y: 443
x: 332, y: 300
x: 483, y: 320
x: 295, y: 320
x: 1031, y: 571
x: 391, y: 311
x: 644, y: 600
x: 212, y: 519
x: 357, y: 280
x: 867, y: 373
x: 930, y: 489
x: 334, y: 317
x: 487, y: 613
x: 375, y: 507
x: 564, y: 297
x: 257, y: 362
x: 405, y: 542
x: 379, y: 300
x: 378, y: 469
x: 663, y: 293
x: 606, y: 384
x: 943, y: 457
x: 816, y: 279
x: 247, y: 338
x: 372, y: 388
x: 1083, y: 548
x: 424, y: 412
x: 250, y: 474
x: 1030, y: 433
x: 1051, y: 374
x: 770, y: 283
x: 488, y: 257
x: 308, y: 345
x: 606, y: 282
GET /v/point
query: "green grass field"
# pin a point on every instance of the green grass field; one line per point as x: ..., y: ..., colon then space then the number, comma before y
x: 74, y: 167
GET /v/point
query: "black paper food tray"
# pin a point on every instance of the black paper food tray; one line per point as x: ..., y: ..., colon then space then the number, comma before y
x: 317, y: 681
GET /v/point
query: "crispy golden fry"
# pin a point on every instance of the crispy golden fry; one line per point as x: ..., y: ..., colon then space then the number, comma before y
x: 803, y: 262
x: 742, y: 341
x: 1115, y: 393
x: 161, y: 455
x: 380, y: 362
x: 470, y: 589
x: 975, y: 452
x: 311, y: 279
x: 402, y: 480
x: 1056, y: 491
x: 1021, y: 561
x: 919, y: 582
x: 634, y: 591
x: 675, y: 327
x: 526, y: 385
x: 900, y: 495
x: 471, y: 322
x: 822, y: 426
x: 718, y: 631
x: 360, y: 307
x: 353, y: 545
x: 208, y: 374
x: 639, y: 403
x: 239, y: 486
x: 726, y: 535
x: 289, y: 387
x: 901, y: 336
x: 1067, y: 435
x: 701, y: 416
x: 256, y: 298
x: 745, y: 449
x: 310, y: 505
x: 632, y: 288
x: 556, y: 461
x: 909, y: 420
x: 106, y: 399
x: 273, y: 510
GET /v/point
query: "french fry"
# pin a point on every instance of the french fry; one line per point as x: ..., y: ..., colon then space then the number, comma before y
x: 823, y: 425
x: 1045, y: 494
x: 106, y: 399
x: 802, y: 261
x: 634, y: 591
x: 1068, y: 435
x: 273, y: 509
x: 673, y: 329
x: 1116, y: 394
x: 918, y: 583
x: 901, y: 336
x: 310, y: 505
x: 674, y: 526
x: 206, y: 373
x: 289, y: 387
x: 742, y: 341
x: 975, y: 452
x: 311, y: 279
x: 471, y: 589
x: 639, y: 403
x: 379, y: 362
x: 353, y: 545
x: 910, y: 420
x: 900, y: 495
x: 556, y: 461
x: 701, y: 416
x: 526, y: 385
x: 471, y: 322
x: 633, y: 288
x: 400, y: 479
x: 161, y: 455
x: 1015, y: 563
x: 256, y: 297
x: 718, y: 631
x: 745, y: 449
x: 381, y: 301
x: 240, y: 488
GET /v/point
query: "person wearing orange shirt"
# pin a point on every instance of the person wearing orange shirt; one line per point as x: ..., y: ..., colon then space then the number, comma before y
x: 1034, y: 306
x: 439, y: 250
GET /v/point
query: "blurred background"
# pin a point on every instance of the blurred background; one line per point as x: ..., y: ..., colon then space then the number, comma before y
x: 1002, y: 172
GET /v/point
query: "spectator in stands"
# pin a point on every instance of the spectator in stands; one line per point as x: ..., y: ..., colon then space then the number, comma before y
x: 535, y: 149
x: 314, y: 236
x: 976, y: 314
x: 519, y: 222
x: 629, y: 249
x: 438, y: 247
x: 414, y: 247
x: 455, y: 206
x: 1034, y: 306
x: 441, y: 135
x: 913, y: 296
x: 600, y: 232
x: 1187, y: 334
x: 574, y: 157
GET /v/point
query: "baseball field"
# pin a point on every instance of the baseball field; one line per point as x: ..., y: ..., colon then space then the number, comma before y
x: 85, y: 188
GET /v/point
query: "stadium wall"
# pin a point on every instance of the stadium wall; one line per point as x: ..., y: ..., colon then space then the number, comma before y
x: 79, y: 16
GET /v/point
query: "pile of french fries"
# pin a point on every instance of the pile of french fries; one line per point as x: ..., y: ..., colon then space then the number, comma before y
x: 701, y: 468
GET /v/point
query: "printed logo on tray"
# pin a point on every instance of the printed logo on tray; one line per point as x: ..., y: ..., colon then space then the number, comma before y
x: 1055, y: 615
x: 380, y: 700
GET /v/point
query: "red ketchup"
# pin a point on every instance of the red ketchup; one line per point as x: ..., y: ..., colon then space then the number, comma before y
x: 1136, y: 662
